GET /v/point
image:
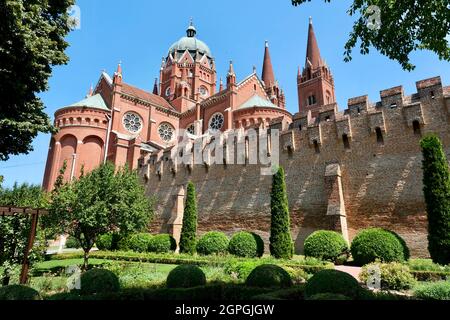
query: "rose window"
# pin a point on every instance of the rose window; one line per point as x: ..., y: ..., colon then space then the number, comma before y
x: 166, y: 132
x: 132, y: 122
x: 216, y: 122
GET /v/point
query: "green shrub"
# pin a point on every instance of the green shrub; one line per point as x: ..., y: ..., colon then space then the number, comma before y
x: 213, y: 243
x: 241, y: 269
x: 375, y: 244
x: 139, y: 242
x: 294, y: 293
x: 162, y: 243
x: 18, y: 292
x: 332, y: 281
x: 281, y: 245
x: 72, y: 243
x: 123, y: 244
x: 104, y: 241
x: 325, y: 245
x: 186, y: 276
x: 427, y: 265
x: 328, y: 296
x: 246, y: 245
x: 436, y: 189
x: 268, y: 276
x: 188, y: 240
x: 394, y: 275
x: 433, y: 291
x: 97, y: 281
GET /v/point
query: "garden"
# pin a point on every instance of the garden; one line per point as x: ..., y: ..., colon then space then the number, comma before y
x: 113, y: 257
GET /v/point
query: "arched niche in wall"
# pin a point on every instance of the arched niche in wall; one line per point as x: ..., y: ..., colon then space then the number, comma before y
x: 91, y: 153
x: 68, y: 149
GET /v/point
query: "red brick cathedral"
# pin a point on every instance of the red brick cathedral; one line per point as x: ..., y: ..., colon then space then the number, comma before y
x: 121, y: 123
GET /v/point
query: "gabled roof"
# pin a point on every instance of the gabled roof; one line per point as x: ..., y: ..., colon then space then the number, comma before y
x: 146, y: 96
x: 257, y: 101
x: 95, y: 102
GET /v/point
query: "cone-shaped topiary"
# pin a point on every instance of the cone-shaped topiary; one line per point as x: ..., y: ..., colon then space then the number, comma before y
x: 268, y: 276
x: 18, y: 292
x: 436, y: 188
x: 281, y: 245
x: 332, y: 281
x: 186, y: 276
x: 246, y: 245
x: 325, y: 245
x: 188, y: 240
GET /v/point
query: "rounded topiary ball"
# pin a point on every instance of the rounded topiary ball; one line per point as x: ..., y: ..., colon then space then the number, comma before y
x: 104, y: 241
x: 139, y: 242
x: 213, y: 243
x: 377, y: 244
x: 72, y: 243
x: 99, y: 281
x: 268, y: 276
x: 332, y: 281
x: 162, y: 243
x: 246, y: 245
x: 186, y: 276
x: 19, y: 292
x: 325, y: 245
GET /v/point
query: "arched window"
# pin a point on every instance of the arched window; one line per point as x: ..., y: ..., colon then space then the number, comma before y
x: 416, y: 128
x: 311, y: 100
x: 346, y: 141
x: 379, y: 133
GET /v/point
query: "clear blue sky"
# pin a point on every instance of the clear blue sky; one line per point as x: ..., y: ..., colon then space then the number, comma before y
x: 139, y: 33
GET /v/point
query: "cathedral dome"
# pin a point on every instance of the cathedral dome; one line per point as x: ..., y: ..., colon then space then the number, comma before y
x: 190, y: 43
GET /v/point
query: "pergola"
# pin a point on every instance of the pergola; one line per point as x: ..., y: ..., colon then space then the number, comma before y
x: 34, y: 213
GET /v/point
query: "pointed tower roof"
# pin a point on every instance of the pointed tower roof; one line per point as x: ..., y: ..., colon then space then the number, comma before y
x: 155, y: 87
x: 267, y: 74
x: 312, y: 50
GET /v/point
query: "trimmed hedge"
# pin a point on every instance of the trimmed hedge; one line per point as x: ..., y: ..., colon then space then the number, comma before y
x: 375, y: 244
x: 269, y: 276
x: 213, y: 243
x: 333, y: 281
x: 433, y: 291
x: 325, y: 245
x: 186, y: 276
x: 394, y: 275
x: 140, y: 242
x: 162, y: 243
x: 19, y: 292
x: 97, y: 281
x: 246, y: 245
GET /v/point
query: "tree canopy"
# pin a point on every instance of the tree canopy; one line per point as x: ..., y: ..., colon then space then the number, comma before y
x: 398, y: 27
x: 102, y: 201
x: 31, y: 42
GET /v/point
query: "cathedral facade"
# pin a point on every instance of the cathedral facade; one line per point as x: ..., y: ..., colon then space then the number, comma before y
x: 345, y: 170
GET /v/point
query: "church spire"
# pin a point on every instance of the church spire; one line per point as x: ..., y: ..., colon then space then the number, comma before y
x: 155, y: 87
x: 312, y: 50
x: 268, y: 76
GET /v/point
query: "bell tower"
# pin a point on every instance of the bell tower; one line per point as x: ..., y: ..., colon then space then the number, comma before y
x: 315, y: 83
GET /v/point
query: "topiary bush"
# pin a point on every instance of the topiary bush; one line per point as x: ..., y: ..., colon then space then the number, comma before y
x: 213, y: 243
x: 433, y: 291
x: 104, y: 242
x: 328, y: 296
x: 325, y: 245
x: 268, y: 276
x: 19, y: 292
x: 140, y: 242
x: 162, y: 243
x: 394, y: 275
x: 72, y: 243
x: 188, y: 237
x: 246, y: 245
x: 375, y: 244
x: 332, y: 281
x: 97, y: 281
x: 241, y: 269
x: 186, y: 276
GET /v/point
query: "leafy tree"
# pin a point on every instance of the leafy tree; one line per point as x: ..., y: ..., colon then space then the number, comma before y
x: 189, y: 229
x: 405, y: 26
x: 102, y: 201
x: 281, y: 245
x: 436, y: 188
x: 14, y: 230
x: 32, y: 42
